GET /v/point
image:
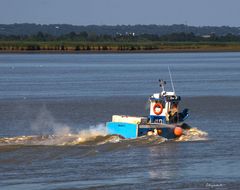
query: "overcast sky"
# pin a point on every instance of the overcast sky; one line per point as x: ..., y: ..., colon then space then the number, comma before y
x: 113, y: 12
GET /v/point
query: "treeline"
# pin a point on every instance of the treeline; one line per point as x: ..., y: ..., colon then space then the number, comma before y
x: 62, y: 29
x: 90, y: 41
x: 129, y: 37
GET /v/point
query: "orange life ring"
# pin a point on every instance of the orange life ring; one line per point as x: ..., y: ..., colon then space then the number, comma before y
x: 159, y: 106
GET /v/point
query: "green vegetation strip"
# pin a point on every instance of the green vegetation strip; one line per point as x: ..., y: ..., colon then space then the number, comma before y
x: 65, y: 46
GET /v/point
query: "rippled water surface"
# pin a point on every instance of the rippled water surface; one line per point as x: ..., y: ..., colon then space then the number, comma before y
x: 53, y: 110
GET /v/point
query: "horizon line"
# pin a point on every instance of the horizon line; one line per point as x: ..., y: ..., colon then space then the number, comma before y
x: 122, y: 24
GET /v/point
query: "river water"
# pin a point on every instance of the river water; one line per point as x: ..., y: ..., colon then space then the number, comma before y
x: 53, y: 110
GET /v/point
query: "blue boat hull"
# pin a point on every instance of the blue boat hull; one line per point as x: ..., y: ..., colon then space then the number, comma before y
x: 129, y: 130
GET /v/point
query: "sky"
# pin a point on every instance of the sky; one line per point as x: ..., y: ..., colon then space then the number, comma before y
x: 114, y: 12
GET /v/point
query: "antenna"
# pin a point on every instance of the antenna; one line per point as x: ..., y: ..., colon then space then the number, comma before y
x: 171, y: 79
x: 162, y: 84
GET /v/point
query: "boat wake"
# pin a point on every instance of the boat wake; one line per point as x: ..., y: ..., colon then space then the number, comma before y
x: 96, y: 136
x: 193, y: 134
x: 61, y: 136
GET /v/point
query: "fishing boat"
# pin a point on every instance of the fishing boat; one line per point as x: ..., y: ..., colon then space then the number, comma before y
x: 164, y: 118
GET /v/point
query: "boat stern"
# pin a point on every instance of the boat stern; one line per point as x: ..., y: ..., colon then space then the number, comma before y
x: 126, y: 130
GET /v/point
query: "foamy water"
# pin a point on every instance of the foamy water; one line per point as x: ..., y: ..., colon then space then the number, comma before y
x: 95, y: 135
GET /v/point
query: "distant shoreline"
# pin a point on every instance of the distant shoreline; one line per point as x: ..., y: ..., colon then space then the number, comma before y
x: 116, y: 51
x: 66, y: 47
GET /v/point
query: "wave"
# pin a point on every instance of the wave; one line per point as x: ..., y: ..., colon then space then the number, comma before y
x: 96, y: 136
x: 193, y: 134
x: 70, y: 139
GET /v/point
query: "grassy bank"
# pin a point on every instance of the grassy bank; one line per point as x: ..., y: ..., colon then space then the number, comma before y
x: 78, y: 47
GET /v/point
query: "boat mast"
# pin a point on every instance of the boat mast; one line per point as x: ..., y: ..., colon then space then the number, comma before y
x: 162, y: 84
x: 171, y: 79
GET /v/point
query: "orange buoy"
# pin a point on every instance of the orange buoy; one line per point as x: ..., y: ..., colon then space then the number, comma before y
x: 159, y: 131
x: 178, y: 131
